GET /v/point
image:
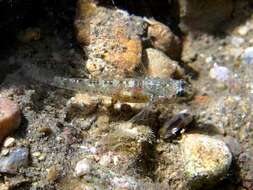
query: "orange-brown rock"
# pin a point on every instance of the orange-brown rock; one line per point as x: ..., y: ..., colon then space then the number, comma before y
x: 110, y: 38
x: 129, y: 58
x: 10, y: 117
x: 85, y: 10
x: 164, y: 39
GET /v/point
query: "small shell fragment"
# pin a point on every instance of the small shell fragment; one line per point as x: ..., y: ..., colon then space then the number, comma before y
x: 175, y: 125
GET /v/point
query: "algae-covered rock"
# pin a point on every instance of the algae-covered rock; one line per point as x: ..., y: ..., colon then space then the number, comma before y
x: 206, y: 160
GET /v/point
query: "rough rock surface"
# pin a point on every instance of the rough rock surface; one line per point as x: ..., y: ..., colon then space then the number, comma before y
x: 109, y: 36
x: 10, y: 117
x: 207, y: 160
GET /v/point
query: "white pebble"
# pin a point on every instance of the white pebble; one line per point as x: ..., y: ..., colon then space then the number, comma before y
x: 4, y: 152
x: 36, y: 154
x: 237, y: 41
x: 105, y: 160
x: 243, y: 30
x: 247, y: 56
x: 9, y: 142
x: 219, y: 73
x: 83, y: 167
x: 209, y: 59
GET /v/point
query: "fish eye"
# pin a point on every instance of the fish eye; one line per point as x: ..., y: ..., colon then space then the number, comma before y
x: 181, y: 88
x: 175, y: 130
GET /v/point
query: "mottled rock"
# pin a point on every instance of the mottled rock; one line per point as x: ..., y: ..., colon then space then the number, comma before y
x: 161, y: 66
x: 10, y: 117
x: 16, y: 159
x: 95, y: 66
x: 109, y: 36
x: 83, y: 167
x: 204, y: 15
x: 206, y: 159
x: 169, y: 166
x: 164, y: 39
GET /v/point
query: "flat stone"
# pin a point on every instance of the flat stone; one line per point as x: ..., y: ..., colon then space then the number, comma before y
x: 10, y: 117
x: 206, y: 160
x: 16, y: 159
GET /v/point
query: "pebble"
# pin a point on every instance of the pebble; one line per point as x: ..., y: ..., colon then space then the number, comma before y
x: 105, y: 160
x: 159, y: 65
x: 4, y: 152
x: 83, y: 167
x: 15, y: 159
x: 247, y: 56
x: 237, y: 41
x: 81, y: 105
x: 52, y: 173
x: 10, y: 117
x: 42, y: 157
x: 36, y: 154
x: 9, y: 142
x: 243, y: 30
x: 220, y: 73
x: 206, y: 159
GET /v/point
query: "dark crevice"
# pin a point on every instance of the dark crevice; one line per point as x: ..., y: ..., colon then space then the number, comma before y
x: 165, y: 11
x: 16, y: 15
